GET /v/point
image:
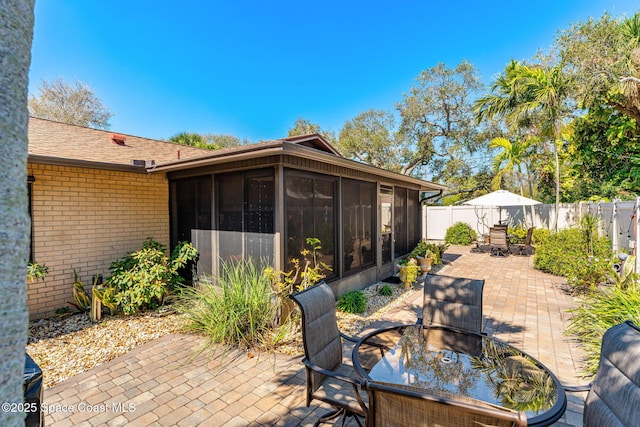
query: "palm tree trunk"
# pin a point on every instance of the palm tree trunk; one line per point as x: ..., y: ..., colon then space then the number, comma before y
x: 557, y: 204
x: 16, y: 32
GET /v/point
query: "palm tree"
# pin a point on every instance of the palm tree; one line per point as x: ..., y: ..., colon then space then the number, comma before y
x: 16, y: 33
x: 513, y: 157
x: 530, y: 97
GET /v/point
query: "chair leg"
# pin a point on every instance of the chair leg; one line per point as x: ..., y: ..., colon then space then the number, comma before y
x: 329, y: 416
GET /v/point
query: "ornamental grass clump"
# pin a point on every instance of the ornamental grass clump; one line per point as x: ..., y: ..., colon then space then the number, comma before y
x: 599, y: 311
x: 235, y: 309
x: 354, y: 302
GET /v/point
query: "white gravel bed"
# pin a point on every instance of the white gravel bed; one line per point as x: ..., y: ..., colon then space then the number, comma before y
x: 67, y: 346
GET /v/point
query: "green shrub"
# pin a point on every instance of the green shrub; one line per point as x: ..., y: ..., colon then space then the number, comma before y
x: 236, y: 310
x: 568, y: 253
x: 540, y: 235
x: 601, y: 310
x: 458, y: 234
x: 352, y: 302
x: 385, y: 290
x: 144, y: 278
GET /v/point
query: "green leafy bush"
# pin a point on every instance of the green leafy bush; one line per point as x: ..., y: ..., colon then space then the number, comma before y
x: 540, y: 235
x: 352, y: 302
x: 585, y: 263
x: 236, y: 309
x: 385, y: 290
x: 599, y: 311
x: 458, y: 234
x: 144, y: 278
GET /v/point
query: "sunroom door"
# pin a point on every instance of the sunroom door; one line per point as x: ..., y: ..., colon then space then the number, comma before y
x: 385, y: 253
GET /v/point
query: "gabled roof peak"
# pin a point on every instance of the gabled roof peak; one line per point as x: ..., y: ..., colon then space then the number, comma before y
x: 312, y: 140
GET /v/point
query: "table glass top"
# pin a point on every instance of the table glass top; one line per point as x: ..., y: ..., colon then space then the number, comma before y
x: 452, y: 363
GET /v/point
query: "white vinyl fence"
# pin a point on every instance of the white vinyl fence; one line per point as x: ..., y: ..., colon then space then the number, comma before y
x: 618, y: 220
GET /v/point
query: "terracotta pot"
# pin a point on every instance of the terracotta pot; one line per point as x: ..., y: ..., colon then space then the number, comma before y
x: 425, y: 264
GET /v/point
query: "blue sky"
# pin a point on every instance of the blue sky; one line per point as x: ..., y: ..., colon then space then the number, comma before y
x: 250, y: 68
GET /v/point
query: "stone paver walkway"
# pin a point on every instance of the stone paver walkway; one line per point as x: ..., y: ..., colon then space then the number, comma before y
x: 162, y: 383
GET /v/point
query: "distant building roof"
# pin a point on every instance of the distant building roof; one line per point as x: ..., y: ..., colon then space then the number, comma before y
x: 51, y: 141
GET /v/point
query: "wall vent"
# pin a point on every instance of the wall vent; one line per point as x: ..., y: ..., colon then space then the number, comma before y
x: 143, y: 163
x: 118, y: 139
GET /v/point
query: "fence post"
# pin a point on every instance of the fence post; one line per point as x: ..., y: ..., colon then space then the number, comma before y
x: 615, y: 239
x: 636, y: 213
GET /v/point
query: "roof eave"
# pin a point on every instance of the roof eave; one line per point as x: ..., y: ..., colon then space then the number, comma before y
x: 59, y: 161
x: 284, y: 147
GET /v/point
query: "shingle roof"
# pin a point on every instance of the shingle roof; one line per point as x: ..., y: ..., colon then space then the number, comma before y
x: 64, y: 141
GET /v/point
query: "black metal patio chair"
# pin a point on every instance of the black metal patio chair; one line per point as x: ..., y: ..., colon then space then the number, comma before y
x: 328, y: 379
x: 499, y: 244
x: 614, y: 396
x: 452, y: 301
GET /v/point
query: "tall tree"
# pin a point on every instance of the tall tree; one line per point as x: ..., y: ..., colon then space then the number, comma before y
x: 534, y: 96
x: 73, y: 103
x: 371, y: 138
x: 305, y: 127
x: 223, y: 140
x: 16, y: 33
x: 208, y: 141
x: 437, y: 119
x: 603, y: 56
x: 514, y: 157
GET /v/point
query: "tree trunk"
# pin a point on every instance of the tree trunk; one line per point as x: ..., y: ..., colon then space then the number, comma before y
x: 16, y: 32
x: 557, y: 205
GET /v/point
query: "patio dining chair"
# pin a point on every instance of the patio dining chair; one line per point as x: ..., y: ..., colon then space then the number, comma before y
x: 407, y: 406
x: 328, y: 379
x: 499, y: 245
x: 452, y: 301
x: 614, y: 396
x: 525, y: 248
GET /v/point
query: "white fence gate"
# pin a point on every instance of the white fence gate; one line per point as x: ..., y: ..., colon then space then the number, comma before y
x: 617, y: 220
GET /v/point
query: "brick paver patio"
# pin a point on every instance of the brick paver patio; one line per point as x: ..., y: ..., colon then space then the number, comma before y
x: 162, y: 383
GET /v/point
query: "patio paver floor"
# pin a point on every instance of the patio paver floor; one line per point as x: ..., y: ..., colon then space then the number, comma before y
x: 161, y: 383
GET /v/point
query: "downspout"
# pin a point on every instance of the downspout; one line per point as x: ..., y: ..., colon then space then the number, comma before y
x: 424, y: 216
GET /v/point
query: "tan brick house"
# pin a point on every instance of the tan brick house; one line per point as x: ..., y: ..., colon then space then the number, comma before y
x: 96, y: 195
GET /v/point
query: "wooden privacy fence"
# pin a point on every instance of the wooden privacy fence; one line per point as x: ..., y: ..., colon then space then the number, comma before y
x: 617, y: 220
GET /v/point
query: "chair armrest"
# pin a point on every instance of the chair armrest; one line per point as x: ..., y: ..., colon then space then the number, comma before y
x: 577, y: 388
x: 332, y: 374
x: 348, y: 338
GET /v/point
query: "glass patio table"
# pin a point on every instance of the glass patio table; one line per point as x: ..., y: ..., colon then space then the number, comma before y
x: 448, y: 362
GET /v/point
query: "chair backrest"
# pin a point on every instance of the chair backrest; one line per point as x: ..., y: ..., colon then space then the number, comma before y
x: 498, y: 236
x: 407, y: 406
x: 527, y: 240
x: 320, y: 334
x: 453, y: 301
x: 614, y: 399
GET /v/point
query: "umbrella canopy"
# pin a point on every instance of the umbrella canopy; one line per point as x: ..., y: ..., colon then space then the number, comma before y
x: 501, y: 198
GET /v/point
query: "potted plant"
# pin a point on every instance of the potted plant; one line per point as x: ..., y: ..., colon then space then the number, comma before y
x: 423, y: 255
x: 425, y: 261
x: 408, y: 271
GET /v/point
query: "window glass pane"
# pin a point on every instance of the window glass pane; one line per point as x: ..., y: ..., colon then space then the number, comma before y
x: 310, y: 212
x: 299, y: 205
x: 357, y: 218
x: 324, y: 220
x: 260, y: 202
x: 229, y: 201
x: 400, y: 218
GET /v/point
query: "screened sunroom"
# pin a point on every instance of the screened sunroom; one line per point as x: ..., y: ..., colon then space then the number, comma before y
x: 262, y: 201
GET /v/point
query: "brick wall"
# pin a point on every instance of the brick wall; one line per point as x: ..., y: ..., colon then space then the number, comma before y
x: 84, y: 219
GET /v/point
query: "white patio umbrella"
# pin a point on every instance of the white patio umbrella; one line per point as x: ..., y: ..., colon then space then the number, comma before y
x: 501, y: 198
